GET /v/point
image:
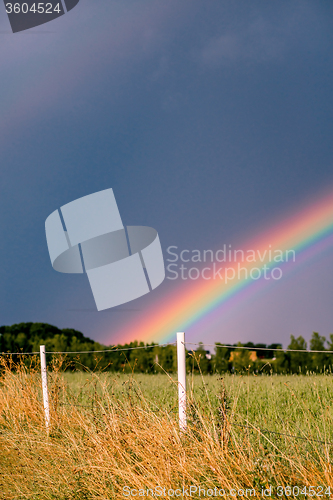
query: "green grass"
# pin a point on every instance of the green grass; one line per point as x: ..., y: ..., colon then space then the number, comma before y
x: 299, y: 405
x: 110, y: 430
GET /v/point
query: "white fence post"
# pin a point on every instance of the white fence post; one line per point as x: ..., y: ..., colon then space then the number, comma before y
x: 181, y: 364
x: 44, y: 386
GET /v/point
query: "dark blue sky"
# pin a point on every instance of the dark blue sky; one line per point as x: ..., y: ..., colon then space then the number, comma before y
x: 209, y: 119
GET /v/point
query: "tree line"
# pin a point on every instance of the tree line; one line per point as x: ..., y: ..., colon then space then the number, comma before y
x: 152, y: 358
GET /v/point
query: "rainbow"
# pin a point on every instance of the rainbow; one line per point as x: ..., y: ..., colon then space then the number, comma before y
x: 308, y: 232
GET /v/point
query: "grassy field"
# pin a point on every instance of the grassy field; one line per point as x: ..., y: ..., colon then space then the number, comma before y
x: 112, y: 434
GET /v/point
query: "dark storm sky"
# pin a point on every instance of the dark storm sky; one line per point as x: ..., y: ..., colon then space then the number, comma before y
x: 209, y: 119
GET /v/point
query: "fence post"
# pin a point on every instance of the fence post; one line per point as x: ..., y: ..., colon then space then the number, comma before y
x: 44, y: 386
x: 181, y: 364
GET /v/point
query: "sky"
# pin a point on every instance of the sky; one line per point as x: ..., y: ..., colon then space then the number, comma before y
x: 210, y: 120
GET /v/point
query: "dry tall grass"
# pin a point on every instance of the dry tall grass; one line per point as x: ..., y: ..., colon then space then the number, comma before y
x: 95, y: 450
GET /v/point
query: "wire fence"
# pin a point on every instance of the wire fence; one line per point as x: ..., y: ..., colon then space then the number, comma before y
x: 200, y: 345
x: 263, y: 431
x: 254, y: 348
x: 115, y: 349
x: 251, y: 427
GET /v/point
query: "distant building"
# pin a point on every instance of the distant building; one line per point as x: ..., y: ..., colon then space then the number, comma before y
x: 234, y: 355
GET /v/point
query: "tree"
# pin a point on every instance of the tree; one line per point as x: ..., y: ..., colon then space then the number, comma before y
x: 143, y: 360
x: 221, y: 358
x: 199, y: 359
x: 319, y: 360
x: 330, y: 348
x: 298, y: 361
x: 241, y: 359
x: 167, y: 358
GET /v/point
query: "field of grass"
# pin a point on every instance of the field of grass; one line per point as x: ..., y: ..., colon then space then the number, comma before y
x: 113, y: 433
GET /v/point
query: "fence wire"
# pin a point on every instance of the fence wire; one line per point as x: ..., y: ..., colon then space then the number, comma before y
x: 89, y: 352
x: 254, y: 348
x: 280, y: 433
x: 228, y: 346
